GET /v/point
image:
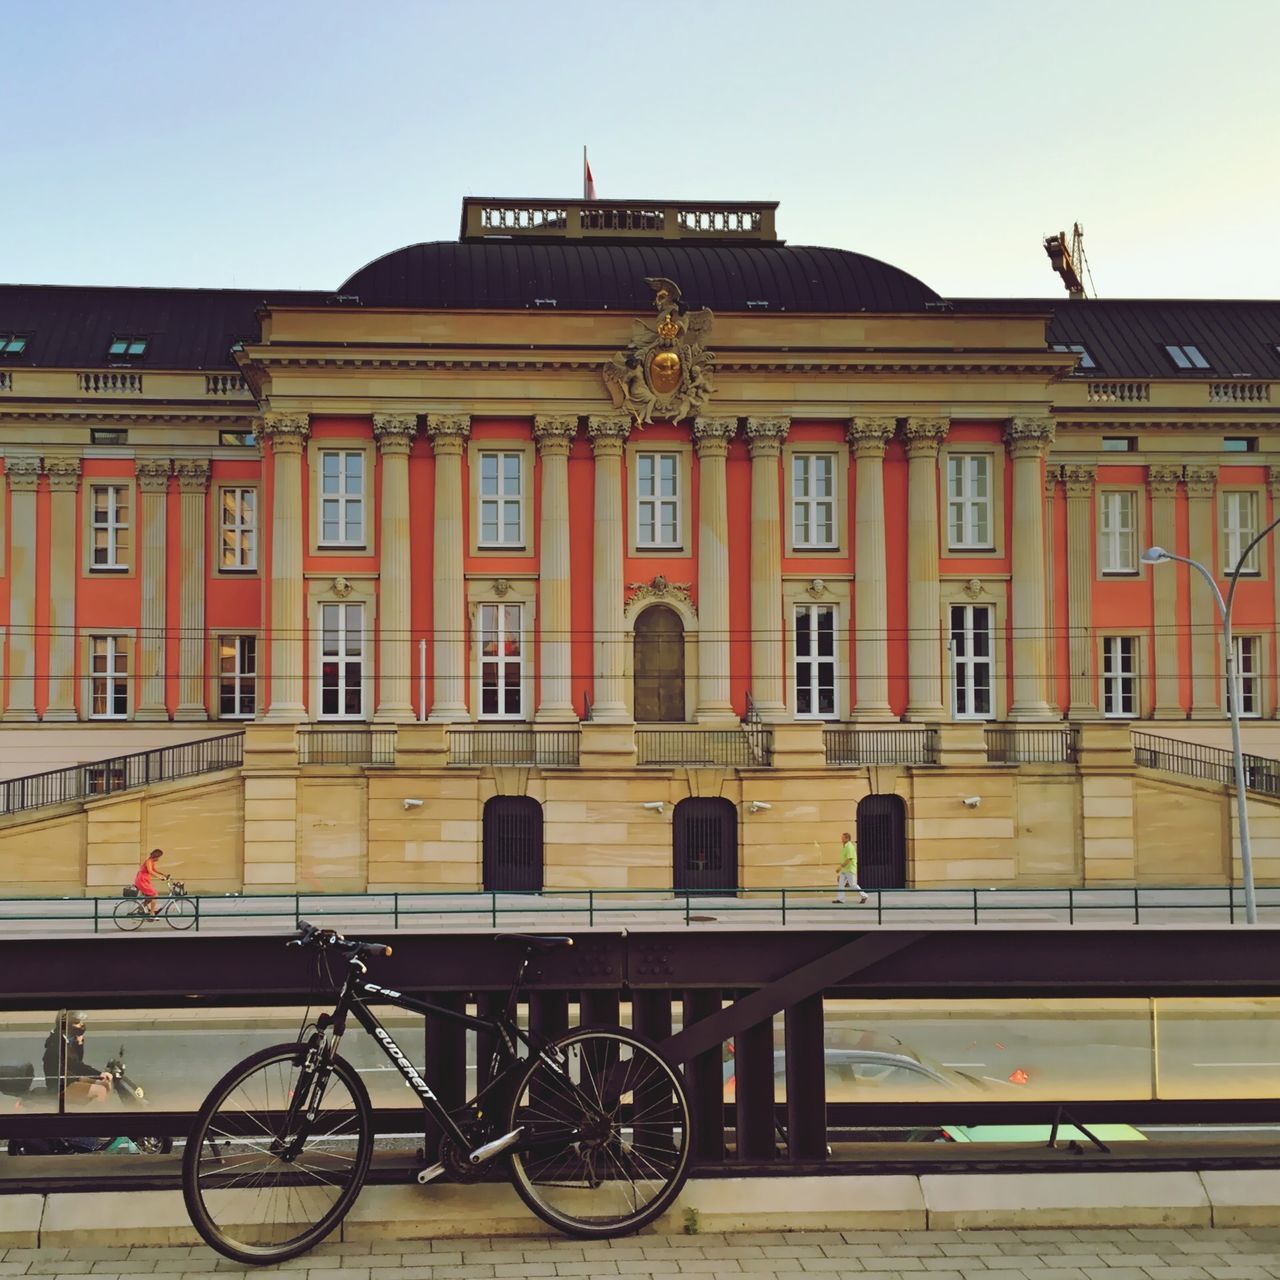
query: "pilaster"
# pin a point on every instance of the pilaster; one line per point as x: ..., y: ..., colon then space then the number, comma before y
x: 869, y: 436
x: 711, y: 438
x: 23, y: 476
x: 153, y: 487
x: 1162, y: 484
x: 394, y: 433
x: 553, y: 436
x: 449, y: 433
x: 765, y: 437
x: 1202, y: 483
x: 193, y: 488
x: 608, y: 433
x: 923, y: 438
x: 64, y: 484
x: 1080, y: 481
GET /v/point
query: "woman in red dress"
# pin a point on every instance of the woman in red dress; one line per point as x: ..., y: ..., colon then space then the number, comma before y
x: 142, y: 881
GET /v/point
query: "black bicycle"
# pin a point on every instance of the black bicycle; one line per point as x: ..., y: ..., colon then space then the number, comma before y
x: 594, y: 1125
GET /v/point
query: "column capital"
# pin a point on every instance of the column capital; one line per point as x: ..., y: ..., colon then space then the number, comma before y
x: 1080, y: 479
x: 63, y: 473
x: 1162, y: 479
x: 554, y: 433
x: 1053, y: 473
x: 23, y: 474
x: 870, y: 435
x: 448, y: 432
x: 1273, y: 481
x: 607, y: 433
x: 924, y: 436
x: 286, y: 431
x: 1201, y: 482
x: 711, y: 436
x: 153, y: 474
x: 193, y: 474
x: 765, y: 436
x: 1029, y: 437
x: 395, y: 432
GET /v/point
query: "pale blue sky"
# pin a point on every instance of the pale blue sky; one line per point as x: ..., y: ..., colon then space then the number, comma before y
x: 282, y: 143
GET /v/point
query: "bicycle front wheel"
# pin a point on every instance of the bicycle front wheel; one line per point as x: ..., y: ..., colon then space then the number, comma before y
x: 261, y: 1185
x: 180, y: 913
x: 606, y: 1140
x: 128, y: 914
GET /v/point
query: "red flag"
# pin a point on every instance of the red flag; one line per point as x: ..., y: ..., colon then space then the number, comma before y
x: 588, y: 182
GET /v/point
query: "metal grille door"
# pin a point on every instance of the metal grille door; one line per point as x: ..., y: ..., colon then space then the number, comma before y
x: 513, y: 844
x: 705, y: 836
x: 882, y: 842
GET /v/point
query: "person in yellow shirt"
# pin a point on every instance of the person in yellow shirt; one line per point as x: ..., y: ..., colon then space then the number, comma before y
x: 847, y: 876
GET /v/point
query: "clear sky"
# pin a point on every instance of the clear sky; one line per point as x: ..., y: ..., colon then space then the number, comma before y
x: 284, y: 143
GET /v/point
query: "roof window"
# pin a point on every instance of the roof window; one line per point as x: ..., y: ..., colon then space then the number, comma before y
x: 1086, y: 360
x: 127, y: 348
x: 1186, y: 356
x: 1119, y: 444
x: 1240, y: 444
x: 13, y: 344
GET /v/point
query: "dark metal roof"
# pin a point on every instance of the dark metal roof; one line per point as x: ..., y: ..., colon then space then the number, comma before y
x: 611, y: 277
x: 72, y: 327
x: 1127, y: 337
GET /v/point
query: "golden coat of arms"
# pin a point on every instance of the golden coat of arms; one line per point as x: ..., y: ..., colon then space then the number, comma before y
x: 665, y: 372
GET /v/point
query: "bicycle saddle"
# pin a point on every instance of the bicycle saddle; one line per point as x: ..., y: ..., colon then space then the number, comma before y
x: 535, y: 941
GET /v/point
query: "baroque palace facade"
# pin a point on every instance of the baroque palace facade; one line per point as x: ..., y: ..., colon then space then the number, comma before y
x: 623, y: 545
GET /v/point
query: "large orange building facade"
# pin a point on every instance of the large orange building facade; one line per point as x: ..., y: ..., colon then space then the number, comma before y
x: 645, y: 491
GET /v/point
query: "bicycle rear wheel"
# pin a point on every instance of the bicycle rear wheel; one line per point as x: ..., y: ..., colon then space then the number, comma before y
x: 180, y: 913
x: 128, y: 914
x: 260, y: 1189
x: 607, y: 1138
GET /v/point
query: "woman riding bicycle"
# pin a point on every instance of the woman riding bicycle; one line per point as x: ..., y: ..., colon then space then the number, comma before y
x: 142, y: 881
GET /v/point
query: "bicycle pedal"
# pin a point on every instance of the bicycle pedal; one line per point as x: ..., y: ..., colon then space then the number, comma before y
x: 429, y: 1175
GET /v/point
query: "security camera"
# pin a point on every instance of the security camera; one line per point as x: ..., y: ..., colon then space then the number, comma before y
x: 655, y: 806
x: 759, y: 806
x: 413, y: 804
x: 972, y: 802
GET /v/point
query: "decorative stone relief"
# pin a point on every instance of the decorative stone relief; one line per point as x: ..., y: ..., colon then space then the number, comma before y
x: 1273, y: 481
x: 193, y: 474
x: 63, y: 473
x: 1162, y: 480
x: 395, y: 432
x: 23, y: 474
x: 659, y: 588
x: 1029, y: 437
x: 1080, y: 480
x: 974, y: 588
x: 1201, y: 481
x: 554, y: 433
x: 664, y: 373
x: 868, y: 436
x: 924, y: 436
x: 501, y: 587
x: 153, y: 475
x: 286, y: 431
x: 341, y: 588
x: 817, y: 588
x: 607, y: 433
x: 448, y: 432
x: 711, y: 436
x: 766, y: 435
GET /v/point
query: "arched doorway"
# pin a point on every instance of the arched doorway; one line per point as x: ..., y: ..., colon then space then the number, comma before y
x: 705, y: 846
x: 882, y: 842
x: 659, y: 665
x: 513, y: 844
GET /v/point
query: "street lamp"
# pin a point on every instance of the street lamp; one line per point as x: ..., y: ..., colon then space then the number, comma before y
x: 1157, y: 555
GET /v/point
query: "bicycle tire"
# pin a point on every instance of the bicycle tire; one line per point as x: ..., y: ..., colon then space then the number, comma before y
x: 642, y: 1126
x: 180, y: 913
x: 225, y: 1214
x: 127, y: 915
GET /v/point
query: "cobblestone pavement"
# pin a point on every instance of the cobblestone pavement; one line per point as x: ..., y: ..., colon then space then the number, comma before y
x: 1137, y: 1254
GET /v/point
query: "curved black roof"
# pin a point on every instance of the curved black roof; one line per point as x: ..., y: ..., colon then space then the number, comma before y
x: 610, y: 277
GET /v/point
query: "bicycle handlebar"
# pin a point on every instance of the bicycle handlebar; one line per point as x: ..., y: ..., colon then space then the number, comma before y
x: 310, y: 935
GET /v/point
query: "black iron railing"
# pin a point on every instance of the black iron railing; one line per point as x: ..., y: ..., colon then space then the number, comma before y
x: 1213, y: 764
x: 747, y: 746
x: 1026, y: 745
x: 121, y: 773
x: 881, y: 746
x: 545, y: 748
x: 331, y: 744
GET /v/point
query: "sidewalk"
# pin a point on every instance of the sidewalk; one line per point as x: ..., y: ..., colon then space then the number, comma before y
x: 1167, y: 1253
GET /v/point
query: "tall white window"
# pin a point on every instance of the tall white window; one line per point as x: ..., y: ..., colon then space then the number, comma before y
x: 342, y: 661
x: 971, y: 673
x: 657, y: 500
x: 969, y: 499
x: 813, y: 499
x: 815, y: 661
x: 500, y: 644
x: 239, y: 528
x: 1239, y: 527
x: 237, y: 676
x: 110, y: 503
x: 342, y: 498
x: 501, y: 500
x: 1120, y: 677
x: 1247, y: 651
x: 109, y: 678
x: 1117, y: 531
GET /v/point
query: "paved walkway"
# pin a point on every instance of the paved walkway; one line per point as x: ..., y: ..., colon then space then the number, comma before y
x: 1137, y: 1254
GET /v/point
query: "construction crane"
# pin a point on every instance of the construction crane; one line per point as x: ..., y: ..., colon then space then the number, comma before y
x: 1069, y: 261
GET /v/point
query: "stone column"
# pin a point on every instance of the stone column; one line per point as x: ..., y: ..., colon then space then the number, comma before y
x: 924, y: 437
x: 193, y: 691
x: 1080, y: 577
x: 1052, y: 475
x: 287, y: 433
x: 764, y: 443
x: 1162, y: 483
x: 394, y: 433
x: 868, y: 436
x: 1206, y: 621
x: 711, y: 438
x: 1028, y: 440
x: 153, y: 488
x: 608, y: 434
x: 554, y: 437
x: 64, y: 555
x: 449, y: 432
x: 23, y: 475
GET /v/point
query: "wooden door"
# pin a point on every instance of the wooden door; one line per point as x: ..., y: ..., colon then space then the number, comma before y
x: 659, y: 665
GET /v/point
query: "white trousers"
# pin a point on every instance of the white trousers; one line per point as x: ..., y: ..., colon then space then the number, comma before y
x: 846, y: 880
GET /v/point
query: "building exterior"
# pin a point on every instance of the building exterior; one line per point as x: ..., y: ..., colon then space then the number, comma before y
x: 607, y: 505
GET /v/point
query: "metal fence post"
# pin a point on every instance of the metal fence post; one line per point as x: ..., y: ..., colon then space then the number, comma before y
x: 1137, y: 917
x: 95, y: 914
x: 784, y: 905
x: 1071, y: 905
x: 687, y: 900
x: 975, y: 906
x: 493, y: 908
x: 395, y: 910
x: 591, y: 906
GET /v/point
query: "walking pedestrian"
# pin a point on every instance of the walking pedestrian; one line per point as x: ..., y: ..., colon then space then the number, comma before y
x: 847, y: 876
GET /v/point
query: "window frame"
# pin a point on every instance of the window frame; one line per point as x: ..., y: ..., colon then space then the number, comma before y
x: 811, y: 502
x: 503, y: 662
x: 524, y: 549
x: 1104, y: 494
x: 1118, y: 444
x: 128, y: 342
x: 1120, y: 685
x: 9, y: 337
x: 238, y: 676
x: 345, y: 444
x: 220, y: 528
x: 1253, y: 686
x: 970, y: 662
x: 1187, y: 357
x: 839, y: 450
x: 115, y: 682
x: 1086, y: 362
x: 991, y: 546
x: 814, y: 660
x: 1239, y: 537
x: 344, y: 661
x: 113, y: 526
x: 659, y: 501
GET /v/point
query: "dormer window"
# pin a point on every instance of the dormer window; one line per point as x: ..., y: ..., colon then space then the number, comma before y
x: 127, y: 348
x: 1186, y: 356
x: 1086, y: 360
x: 13, y: 344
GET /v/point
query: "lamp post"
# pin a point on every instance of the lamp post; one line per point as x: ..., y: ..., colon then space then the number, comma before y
x: 1157, y: 555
